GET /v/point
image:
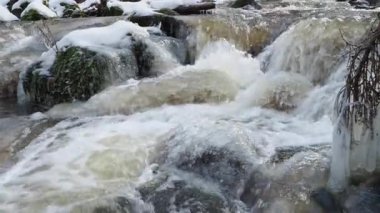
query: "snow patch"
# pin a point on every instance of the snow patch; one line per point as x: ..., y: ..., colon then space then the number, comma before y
x: 114, y: 35
x: 40, y: 8
x: 5, y: 15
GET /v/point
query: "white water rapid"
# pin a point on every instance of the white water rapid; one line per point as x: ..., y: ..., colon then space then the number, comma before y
x: 227, y: 105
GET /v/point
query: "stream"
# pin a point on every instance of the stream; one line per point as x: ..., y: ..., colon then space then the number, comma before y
x: 237, y: 117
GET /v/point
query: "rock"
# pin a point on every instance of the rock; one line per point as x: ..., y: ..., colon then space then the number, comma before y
x: 8, y: 84
x: 284, y: 153
x: 144, y: 58
x: 243, y: 3
x: 326, y: 200
x: 76, y: 74
x: 72, y: 10
x: 290, y: 181
x: 178, y: 195
x: 32, y: 15
x: 168, y: 12
x: 217, y: 165
x: 119, y: 205
x: 365, y: 196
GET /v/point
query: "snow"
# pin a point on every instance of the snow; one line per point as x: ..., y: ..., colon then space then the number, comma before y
x: 140, y: 8
x: 56, y: 6
x: 5, y: 15
x: 55, y: 9
x: 38, y: 6
x: 4, y: 2
x: 170, y: 4
x: 114, y: 35
x: 86, y: 4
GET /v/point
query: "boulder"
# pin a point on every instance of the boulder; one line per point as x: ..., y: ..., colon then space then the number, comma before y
x: 243, y: 3
x: 217, y: 165
x: 76, y: 74
x: 177, y: 195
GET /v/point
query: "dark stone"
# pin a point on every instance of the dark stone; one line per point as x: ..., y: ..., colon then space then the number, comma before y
x: 243, y: 3
x: 365, y: 197
x: 120, y: 205
x: 326, y: 200
x: 253, y: 187
x: 217, y: 165
x: 168, y: 12
x: 285, y: 153
x: 144, y: 59
x: 182, y: 196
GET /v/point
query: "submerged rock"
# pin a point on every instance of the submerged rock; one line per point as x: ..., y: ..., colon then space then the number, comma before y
x: 177, y: 195
x: 217, y: 165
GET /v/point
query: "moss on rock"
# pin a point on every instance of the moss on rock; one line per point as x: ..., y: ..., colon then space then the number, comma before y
x: 76, y: 74
x: 32, y: 15
x: 71, y: 10
x: 114, y: 11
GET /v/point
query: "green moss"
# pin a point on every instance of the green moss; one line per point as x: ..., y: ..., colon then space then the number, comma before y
x: 32, y: 15
x: 71, y: 10
x: 77, y: 74
x: 114, y: 11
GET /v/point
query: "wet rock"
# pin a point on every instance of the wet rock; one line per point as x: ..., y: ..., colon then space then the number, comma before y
x: 119, y: 205
x: 243, y: 3
x: 326, y: 200
x: 364, y: 197
x: 144, y: 58
x: 177, y: 195
x: 8, y: 84
x: 17, y: 132
x: 284, y: 153
x: 217, y: 165
x: 289, y: 182
x: 177, y: 47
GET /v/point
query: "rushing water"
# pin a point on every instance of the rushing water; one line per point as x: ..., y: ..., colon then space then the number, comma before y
x: 227, y: 105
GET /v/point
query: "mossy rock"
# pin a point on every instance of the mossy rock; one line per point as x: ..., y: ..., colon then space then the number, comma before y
x: 32, y: 15
x: 77, y: 74
x: 115, y: 11
x: 71, y: 10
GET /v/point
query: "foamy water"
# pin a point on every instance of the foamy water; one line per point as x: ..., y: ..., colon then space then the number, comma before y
x: 224, y: 101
